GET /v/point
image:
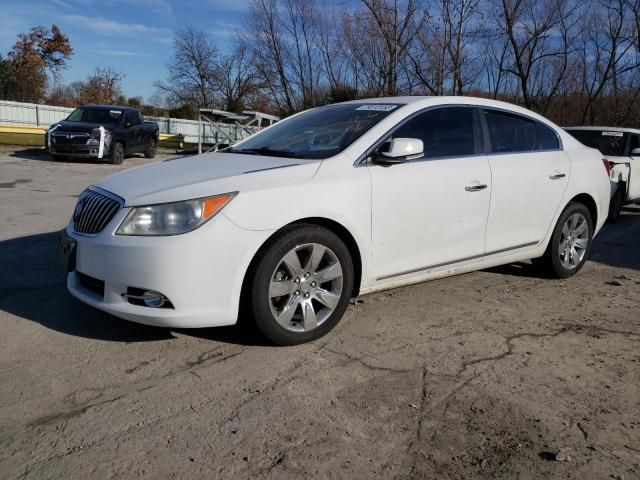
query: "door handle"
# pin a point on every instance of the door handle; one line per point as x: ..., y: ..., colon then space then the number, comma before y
x: 556, y: 176
x: 474, y: 188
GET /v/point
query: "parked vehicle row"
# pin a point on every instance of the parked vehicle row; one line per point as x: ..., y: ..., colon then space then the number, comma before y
x: 621, y: 149
x: 334, y: 202
x: 102, y: 131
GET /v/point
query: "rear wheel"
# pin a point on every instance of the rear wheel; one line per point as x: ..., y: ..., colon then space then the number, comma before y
x: 570, y: 243
x: 152, y: 148
x: 117, y: 156
x: 302, y: 285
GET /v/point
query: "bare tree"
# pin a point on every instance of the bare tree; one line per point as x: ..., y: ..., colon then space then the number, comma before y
x: 191, y: 70
x: 236, y: 80
x: 397, y: 26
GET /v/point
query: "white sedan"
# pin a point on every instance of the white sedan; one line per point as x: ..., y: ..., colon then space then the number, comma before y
x: 337, y: 201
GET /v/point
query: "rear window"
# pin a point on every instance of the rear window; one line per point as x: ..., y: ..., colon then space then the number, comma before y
x: 513, y: 133
x: 608, y: 142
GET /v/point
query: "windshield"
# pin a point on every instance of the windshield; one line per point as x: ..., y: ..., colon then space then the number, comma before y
x: 95, y: 115
x: 609, y: 143
x: 318, y: 133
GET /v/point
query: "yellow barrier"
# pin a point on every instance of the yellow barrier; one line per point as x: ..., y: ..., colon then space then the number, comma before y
x: 13, y: 134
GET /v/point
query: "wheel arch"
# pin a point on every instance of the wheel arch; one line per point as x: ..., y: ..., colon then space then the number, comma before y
x: 589, y: 202
x: 338, y: 229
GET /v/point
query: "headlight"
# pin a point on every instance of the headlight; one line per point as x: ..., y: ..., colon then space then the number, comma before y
x: 173, y: 218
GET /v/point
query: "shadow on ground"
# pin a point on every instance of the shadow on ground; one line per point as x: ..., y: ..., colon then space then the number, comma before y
x: 617, y: 245
x: 42, y: 155
x: 33, y: 287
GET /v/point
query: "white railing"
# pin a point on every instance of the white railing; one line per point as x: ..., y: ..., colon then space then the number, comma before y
x: 45, y: 115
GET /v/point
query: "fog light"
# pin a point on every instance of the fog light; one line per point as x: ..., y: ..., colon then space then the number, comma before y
x: 153, y: 299
x: 146, y: 298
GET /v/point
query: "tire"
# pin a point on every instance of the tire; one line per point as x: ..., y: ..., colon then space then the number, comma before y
x: 151, y: 148
x: 563, y: 264
x: 117, y: 155
x: 308, y: 307
x: 58, y: 158
x: 615, y: 206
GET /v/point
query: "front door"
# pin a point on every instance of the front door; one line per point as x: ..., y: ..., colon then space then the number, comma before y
x: 432, y: 211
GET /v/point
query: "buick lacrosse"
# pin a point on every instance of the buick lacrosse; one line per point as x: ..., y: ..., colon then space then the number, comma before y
x: 342, y: 200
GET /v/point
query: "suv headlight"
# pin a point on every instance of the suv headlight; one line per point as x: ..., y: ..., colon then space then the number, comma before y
x: 173, y: 218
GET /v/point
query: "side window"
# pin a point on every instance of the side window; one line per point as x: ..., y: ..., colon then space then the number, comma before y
x: 138, y: 118
x: 548, y: 138
x: 128, y: 119
x: 445, y: 132
x: 634, y: 142
x: 511, y: 133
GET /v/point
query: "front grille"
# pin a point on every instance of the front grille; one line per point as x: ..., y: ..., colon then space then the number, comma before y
x: 94, y: 285
x: 93, y: 212
x: 69, y: 138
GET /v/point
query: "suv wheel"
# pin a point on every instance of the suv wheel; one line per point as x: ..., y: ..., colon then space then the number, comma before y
x: 117, y: 156
x: 301, y: 285
x: 615, y: 206
x: 152, y: 148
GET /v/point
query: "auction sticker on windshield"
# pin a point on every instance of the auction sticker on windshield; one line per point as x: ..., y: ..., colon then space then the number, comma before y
x: 378, y: 108
x: 613, y: 134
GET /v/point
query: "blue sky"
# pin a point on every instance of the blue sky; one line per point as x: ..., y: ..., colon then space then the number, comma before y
x: 131, y: 36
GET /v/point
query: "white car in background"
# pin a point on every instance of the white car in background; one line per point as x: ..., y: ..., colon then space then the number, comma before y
x: 621, y: 148
x: 330, y: 203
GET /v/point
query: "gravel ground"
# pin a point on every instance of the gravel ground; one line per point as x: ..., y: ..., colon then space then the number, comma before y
x: 494, y: 374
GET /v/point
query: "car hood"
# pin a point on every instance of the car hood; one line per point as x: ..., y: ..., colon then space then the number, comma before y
x: 204, y: 175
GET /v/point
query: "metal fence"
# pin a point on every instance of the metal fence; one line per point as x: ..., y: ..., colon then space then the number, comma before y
x: 45, y: 115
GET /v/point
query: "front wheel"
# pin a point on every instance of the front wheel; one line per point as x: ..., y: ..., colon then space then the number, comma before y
x: 570, y: 243
x: 302, y: 285
x: 151, y: 149
x: 117, y: 157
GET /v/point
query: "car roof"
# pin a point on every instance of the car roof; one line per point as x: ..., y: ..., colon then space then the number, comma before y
x: 428, y: 101
x: 607, y: 129
x: 118, y: 107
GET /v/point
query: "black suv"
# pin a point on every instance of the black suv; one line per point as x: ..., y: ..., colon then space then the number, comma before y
x: 102, y: 131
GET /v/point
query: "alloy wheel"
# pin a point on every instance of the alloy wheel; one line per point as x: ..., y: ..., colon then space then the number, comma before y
x: 305, y: 287
x: 574, y: 241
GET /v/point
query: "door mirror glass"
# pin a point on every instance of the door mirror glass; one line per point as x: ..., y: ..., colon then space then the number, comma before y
x: 635, y: 152
x: 399, y: 150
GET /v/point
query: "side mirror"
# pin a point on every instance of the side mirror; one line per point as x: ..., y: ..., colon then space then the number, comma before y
x: 399, y: 150
x: 128, y: 124
x: 635, y: 152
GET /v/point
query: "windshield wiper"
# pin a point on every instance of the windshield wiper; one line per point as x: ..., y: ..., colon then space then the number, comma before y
x: 266, y: 151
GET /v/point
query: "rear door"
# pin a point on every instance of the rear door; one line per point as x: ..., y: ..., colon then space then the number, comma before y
x: 530, y: 173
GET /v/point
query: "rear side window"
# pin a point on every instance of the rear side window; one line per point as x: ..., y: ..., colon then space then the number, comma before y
x: 548, y: 138
x: 511, y: 133
x: 445, y: 132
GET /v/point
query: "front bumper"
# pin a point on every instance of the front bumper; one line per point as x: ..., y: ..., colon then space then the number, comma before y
x: 78, y: 151
x: 201, y: 272
x: 77, y: 148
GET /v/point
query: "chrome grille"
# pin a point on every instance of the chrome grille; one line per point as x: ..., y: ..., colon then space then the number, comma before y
x: 93, y: 212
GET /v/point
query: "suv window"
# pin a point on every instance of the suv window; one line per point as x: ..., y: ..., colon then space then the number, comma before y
x: 132, y: 117
x: 610, y: 143
x: 634, y: 142
x: 445, y: 132
x: 511, y: 133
